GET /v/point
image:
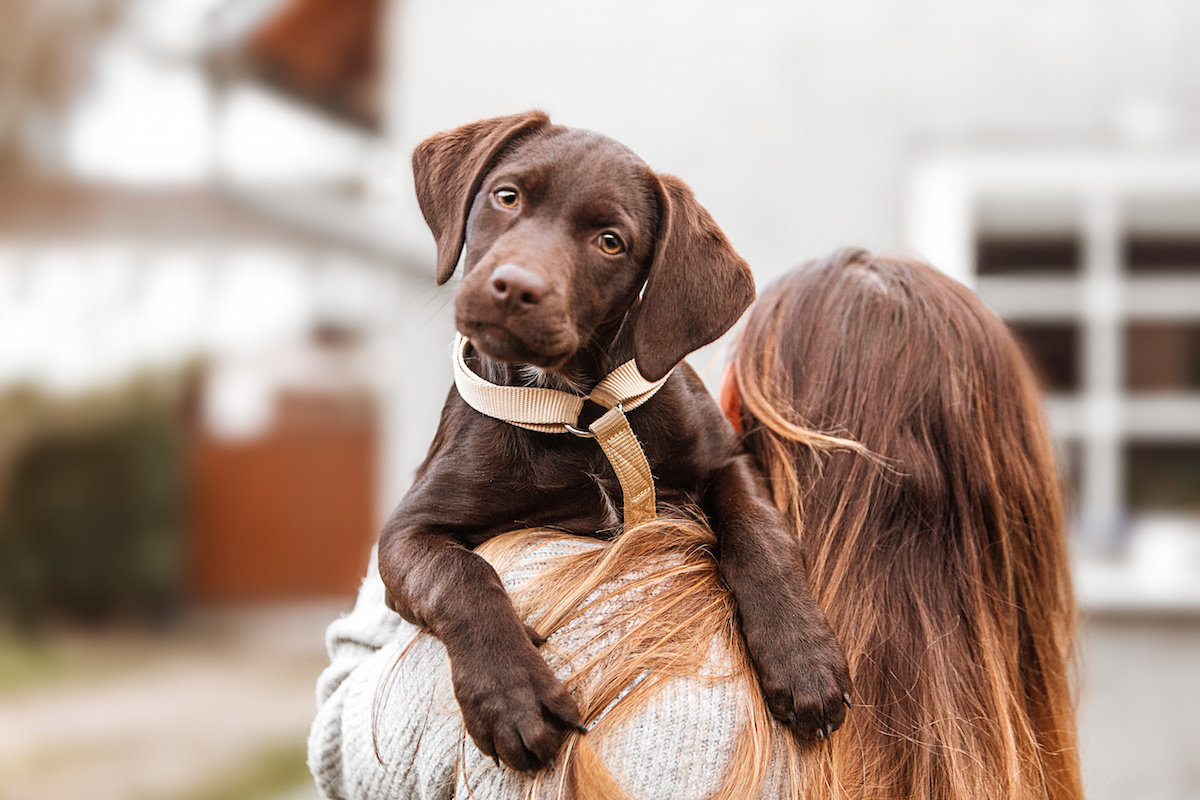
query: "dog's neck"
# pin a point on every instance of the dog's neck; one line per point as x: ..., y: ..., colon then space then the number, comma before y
x: 549, y: 379
x: 605, y: 351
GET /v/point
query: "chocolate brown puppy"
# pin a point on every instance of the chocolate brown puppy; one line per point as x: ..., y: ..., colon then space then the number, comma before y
x: 577, y: 257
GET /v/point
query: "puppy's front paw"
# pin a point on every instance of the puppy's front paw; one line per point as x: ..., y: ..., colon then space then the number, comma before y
x: 514, y: 708
x: 805, y: 681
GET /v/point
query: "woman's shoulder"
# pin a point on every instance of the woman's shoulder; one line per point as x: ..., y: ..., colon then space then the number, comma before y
x: 647, y: 646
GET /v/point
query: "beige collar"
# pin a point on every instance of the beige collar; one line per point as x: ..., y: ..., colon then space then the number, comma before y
x: 554, y: 411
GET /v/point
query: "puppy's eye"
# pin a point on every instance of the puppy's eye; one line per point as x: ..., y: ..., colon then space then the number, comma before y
x: 611, y: 243
x: 506, y: 197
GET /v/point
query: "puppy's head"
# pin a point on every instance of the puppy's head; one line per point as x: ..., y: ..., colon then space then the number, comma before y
x: 560, y: 232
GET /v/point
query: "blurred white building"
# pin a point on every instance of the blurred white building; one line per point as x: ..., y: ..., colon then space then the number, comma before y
x: 1046, y: 153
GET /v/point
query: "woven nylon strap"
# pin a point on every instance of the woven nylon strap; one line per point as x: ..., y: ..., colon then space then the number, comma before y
x: 554, y: 411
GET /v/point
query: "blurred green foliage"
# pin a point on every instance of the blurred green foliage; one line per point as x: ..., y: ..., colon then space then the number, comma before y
x: 25, y: 662
x: 91, y: 522
x: 270, y: 773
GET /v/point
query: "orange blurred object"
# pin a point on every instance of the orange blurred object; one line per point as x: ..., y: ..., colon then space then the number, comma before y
x: 325, y: 52
x: 288, y: 514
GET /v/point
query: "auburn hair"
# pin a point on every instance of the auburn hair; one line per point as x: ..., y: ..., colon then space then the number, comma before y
x: 902, y: 431
x: 942, y: 563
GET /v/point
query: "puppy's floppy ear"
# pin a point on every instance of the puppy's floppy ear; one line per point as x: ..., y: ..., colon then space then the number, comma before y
x: 698, y: 286
x: 448, y: 169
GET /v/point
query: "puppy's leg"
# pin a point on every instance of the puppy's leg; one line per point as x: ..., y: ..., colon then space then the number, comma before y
x: 800, y: 666
x: 513, y: 706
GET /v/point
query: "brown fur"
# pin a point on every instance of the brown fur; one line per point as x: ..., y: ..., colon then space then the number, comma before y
x: 538, y: 291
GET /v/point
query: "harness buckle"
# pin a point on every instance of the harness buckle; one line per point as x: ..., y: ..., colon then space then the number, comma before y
x: 582, y: 434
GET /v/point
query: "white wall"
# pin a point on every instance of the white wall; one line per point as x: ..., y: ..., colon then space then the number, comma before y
x: 796, y: 121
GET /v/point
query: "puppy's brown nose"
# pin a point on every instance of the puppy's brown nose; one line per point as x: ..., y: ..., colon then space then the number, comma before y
x: 517, y: 287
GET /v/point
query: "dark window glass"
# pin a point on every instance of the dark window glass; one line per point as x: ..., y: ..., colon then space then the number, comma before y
x: 1070, y: 458
x: 1162, y: 254
x: 1163, y: 477
x: 1053, y: 350
x: 1027, y: 255
x: 1162, y: 357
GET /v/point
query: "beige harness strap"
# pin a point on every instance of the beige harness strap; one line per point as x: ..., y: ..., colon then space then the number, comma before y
x: 544, y: 410
x: 628, y: 460
x: 625, y: 387
x: 553, y: 411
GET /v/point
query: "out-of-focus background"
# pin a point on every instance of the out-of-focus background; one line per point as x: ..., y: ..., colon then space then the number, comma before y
x: 222, y: 351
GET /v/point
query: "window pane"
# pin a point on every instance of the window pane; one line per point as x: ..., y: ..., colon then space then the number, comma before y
x: 1027, y: 255
x: 1069, y: 455
x: 1162, y: 357
x: 1163, y: 234
x: 1053, y: 350
x: 1162, y: 254
x: 1163, y: 477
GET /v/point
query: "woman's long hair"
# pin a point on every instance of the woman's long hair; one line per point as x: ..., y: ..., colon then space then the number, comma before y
x: 941, y: 564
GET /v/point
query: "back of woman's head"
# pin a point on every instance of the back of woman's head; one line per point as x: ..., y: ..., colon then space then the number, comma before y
x: 940, y: 555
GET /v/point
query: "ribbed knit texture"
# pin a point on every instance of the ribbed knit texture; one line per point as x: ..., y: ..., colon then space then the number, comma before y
x: 386, y: 680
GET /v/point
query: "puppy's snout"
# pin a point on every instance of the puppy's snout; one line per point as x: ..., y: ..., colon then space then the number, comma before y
x: 516, y: 287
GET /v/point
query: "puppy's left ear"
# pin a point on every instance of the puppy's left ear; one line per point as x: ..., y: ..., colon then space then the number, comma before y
x: 697, y: 289
x: 448, y: 169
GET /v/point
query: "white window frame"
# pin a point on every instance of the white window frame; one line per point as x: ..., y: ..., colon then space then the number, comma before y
x: 945, y: 193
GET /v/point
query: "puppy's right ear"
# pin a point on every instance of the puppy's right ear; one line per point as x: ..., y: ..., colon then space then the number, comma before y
x: 448, y: 169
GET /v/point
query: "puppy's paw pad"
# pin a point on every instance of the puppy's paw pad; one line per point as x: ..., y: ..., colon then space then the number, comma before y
x: 807, y: 690
x: 810, y: 711
x: 519, y: 713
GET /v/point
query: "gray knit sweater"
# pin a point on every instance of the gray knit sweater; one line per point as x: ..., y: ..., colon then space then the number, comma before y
x: 388, y: 726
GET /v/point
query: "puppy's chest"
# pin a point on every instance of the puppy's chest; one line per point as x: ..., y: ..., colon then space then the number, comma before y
x: 610, y: 515
x: 585, y: 495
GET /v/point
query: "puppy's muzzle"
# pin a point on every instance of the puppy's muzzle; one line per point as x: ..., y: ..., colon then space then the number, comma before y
x: 516, y: 289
